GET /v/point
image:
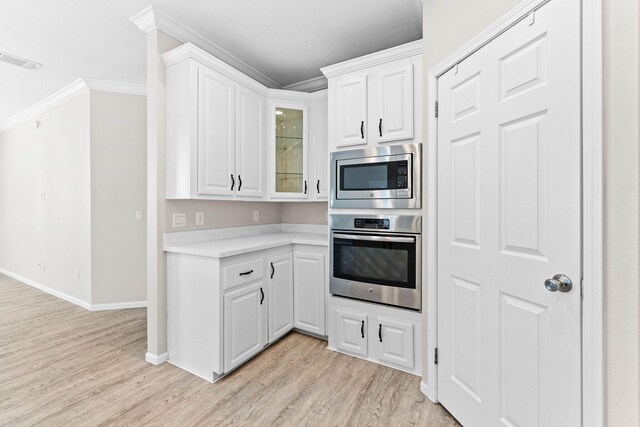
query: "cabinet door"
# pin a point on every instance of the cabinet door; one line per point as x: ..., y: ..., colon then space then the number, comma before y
x: 250, y: 145
x: 350, y: 113
x: 216, y: 134
x: 351, y: 332
x: 391, y: 103
x: 289, y: 150
x: 243, y: 324
x: 309, y: 293
x: 392, y: 342
x: 280, y: 272
x: 320, y: 152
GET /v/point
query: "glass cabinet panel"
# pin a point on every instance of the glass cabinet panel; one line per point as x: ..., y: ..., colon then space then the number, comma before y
x: 289, y: 167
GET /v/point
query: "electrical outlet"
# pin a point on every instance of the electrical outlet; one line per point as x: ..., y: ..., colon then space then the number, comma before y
x: 138, y: 215
x: 199, y: 218
x: 256, y: 216
x: 179, y: 220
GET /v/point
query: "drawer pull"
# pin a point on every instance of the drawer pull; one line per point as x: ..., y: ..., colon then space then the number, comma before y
x: 246, y: 273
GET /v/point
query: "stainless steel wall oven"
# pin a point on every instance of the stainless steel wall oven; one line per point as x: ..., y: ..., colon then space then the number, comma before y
x: 377, y: 258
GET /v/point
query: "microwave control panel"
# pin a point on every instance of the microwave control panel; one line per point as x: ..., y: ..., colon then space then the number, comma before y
x: 372, y: 223
x: 403, y: 175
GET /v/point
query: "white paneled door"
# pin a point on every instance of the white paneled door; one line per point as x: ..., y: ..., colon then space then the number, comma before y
x: 509, y: 218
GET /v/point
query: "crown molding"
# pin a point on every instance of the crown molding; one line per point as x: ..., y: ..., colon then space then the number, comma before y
x: 191, y: 51
x: 61, y: 96
x: 151, y: 18
x: 392, y: 54
x: 311, y: 85
x: 116, y: 87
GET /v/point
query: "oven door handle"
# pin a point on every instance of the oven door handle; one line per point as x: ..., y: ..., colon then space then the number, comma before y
x: 375, y: 238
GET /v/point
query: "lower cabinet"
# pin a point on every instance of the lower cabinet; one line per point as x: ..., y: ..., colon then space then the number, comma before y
x: 223, y: 311
x: 245, y: 327
x: 377, y: 333
x: 280, y: 272
x: 309, y: 293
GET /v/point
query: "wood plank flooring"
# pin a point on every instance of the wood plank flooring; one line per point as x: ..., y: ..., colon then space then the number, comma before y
x: 61, y: 365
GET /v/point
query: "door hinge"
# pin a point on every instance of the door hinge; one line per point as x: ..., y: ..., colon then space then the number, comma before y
x: 435, y: 356
x: 436, y: 109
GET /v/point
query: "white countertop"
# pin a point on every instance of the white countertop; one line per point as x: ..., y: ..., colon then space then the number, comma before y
x: 241, y: 240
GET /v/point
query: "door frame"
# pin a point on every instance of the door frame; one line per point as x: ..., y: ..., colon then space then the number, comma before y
x: 593, y: 368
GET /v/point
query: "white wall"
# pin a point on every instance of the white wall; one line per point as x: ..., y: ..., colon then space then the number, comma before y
x: 118, y: 190
x: 621, y: 210
x: 51, y: 159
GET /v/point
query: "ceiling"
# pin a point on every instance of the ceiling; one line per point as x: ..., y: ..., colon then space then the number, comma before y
x: 285, y: 40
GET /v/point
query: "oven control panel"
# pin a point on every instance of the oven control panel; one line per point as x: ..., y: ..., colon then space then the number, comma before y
x: 372, y: 223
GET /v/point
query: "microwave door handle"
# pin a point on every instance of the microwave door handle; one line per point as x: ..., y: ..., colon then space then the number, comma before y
x: 375, y: 238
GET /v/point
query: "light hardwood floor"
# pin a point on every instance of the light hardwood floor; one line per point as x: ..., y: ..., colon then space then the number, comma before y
x: 62, y: 365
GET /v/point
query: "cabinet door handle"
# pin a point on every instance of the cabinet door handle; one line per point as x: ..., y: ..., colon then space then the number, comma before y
x: 246, y: 273
x: 318, y: 186
x: 233, y: 182
x: 305, y: 187
x: 362, y: 329
x: 273, y: 270
x: 239, y: 183
x: 362, y: 129
x: 380, y: 331
x: 261, y: 296
x: 380, y: 127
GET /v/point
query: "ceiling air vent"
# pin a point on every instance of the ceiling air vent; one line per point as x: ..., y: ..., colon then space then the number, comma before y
x: 14, y: 60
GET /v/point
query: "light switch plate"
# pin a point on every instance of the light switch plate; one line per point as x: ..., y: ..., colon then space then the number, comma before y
x: 256, y: 216
x: 199, y: 218
x: 138, y: 215
x: 179, y: 220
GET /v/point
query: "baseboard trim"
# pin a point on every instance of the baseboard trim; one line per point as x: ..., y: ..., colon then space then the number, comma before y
x: 424, y: 388
x: 156, y: 359
x: 47, y: 289
x: 74, y: 300
x: 118, y: 305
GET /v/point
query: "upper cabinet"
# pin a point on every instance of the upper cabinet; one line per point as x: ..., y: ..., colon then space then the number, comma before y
x: 231, y: 138
x: 376, y: 98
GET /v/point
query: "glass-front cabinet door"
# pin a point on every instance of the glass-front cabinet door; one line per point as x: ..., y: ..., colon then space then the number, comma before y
x: 289, y: 150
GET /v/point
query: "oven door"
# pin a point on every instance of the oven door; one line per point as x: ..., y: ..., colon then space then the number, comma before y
x: 383, y: 268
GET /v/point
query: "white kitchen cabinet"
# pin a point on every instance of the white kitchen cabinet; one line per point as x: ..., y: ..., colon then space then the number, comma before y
x: 385, y: 335
x: 309, y: 293
x: 280, y: 295
x: 216, y: 133
x: 319, y: 150
x: 250, y: 143
x: 390, y: 102
x: 244, y: 324
x: 391, y: 341
x: 377, y: 98
x: 351, y: 332
x: 215, y: 129
x: 349, y: 98
x: 222, y: 310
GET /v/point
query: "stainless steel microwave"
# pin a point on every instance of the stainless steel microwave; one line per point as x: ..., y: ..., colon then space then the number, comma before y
x: 381, y: 177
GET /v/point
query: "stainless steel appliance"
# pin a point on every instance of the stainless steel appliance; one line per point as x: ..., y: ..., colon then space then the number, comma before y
x: 377, y: 258
x: 382, y: 177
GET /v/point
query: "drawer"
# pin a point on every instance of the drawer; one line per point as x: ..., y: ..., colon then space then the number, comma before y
x: 242, y: 273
